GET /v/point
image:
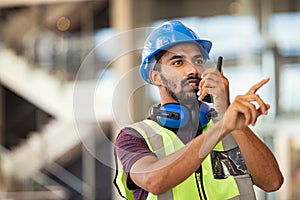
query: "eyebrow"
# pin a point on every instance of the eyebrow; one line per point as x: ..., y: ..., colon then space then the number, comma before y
x: 176, y: 57
x: 198, y: 56
x: 181, y: 56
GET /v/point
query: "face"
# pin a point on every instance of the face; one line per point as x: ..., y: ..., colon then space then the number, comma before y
x: 181, y: 68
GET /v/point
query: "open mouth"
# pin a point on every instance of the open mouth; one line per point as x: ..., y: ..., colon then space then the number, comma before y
x: 194, y: 83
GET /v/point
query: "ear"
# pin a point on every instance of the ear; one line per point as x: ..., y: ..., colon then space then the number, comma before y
x: 155, y: 77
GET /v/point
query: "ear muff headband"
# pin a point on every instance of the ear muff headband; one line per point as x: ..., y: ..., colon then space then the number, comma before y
x: 177, y: 116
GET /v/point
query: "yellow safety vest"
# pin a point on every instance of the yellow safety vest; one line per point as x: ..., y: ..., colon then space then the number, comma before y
x: 199, y: 185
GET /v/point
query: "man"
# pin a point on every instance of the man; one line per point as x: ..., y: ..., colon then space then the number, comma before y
x: 177, y: 153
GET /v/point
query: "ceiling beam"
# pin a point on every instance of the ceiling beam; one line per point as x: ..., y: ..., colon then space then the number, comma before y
x: 14, y: 3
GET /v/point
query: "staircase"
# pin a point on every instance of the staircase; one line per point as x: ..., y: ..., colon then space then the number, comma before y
x: 36, y: 85
x: 47, y: 146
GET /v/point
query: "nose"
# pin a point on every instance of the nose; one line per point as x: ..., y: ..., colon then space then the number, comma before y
x: 192, y: 69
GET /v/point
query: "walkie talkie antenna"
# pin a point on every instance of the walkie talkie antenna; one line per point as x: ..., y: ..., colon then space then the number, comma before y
x: 219, y: 64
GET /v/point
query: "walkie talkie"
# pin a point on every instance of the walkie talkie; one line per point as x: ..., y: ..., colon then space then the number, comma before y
x: 208, y: 98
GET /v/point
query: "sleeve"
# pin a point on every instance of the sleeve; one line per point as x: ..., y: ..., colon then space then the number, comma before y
x: 130, y: 147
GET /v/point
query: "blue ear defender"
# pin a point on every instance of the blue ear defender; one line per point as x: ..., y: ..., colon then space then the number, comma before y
x: 174, y: 115
x: 205, y: 114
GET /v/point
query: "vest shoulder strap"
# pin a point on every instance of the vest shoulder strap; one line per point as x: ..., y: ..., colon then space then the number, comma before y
x: 156, y: 142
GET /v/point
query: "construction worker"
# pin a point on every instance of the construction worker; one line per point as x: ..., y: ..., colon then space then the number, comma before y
x: 185, y: 149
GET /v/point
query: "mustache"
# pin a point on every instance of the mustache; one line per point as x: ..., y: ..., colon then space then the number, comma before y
x: 186, y: 80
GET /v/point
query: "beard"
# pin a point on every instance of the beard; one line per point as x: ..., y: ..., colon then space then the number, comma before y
x: 181, y: 91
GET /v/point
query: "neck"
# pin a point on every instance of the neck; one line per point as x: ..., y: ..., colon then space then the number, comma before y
x: 166, y: 98
x: 190, y: 106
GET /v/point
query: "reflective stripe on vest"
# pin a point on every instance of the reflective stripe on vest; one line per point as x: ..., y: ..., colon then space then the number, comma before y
x: 164, y: 142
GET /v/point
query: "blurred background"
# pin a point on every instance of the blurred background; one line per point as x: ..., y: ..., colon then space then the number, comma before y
x: 69, y: 81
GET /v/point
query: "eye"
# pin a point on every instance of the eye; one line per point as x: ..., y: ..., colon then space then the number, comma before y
x: 199, y: 61
x: 177, y: 62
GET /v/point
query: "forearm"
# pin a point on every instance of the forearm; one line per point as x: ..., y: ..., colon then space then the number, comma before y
x: 259, y: 159
x: 158, y: 175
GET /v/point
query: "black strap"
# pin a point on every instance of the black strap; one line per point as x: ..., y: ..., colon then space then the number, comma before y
x: 116, y: 174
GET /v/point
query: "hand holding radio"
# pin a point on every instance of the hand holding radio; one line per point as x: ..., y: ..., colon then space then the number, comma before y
x: 215, y: 86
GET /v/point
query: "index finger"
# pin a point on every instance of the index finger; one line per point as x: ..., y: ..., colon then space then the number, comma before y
x: 258, y: 85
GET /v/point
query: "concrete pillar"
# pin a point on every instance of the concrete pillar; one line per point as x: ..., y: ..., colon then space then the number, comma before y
x: 121, y: 20
x: 269, y: 64
x: 121, y: 14
x: 270, y: 68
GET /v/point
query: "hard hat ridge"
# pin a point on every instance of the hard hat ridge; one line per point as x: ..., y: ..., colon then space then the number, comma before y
x: 168, y: 34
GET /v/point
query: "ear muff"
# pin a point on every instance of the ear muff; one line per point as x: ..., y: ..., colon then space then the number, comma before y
x: 172, y: 115
x: 204, y: 114
x: 177, y: 116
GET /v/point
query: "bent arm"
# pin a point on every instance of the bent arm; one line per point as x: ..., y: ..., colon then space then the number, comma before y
x: 259, y: 159
x: 159, y: 175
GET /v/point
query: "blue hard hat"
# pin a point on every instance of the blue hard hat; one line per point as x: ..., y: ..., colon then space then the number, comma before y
x: 162, y: 38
